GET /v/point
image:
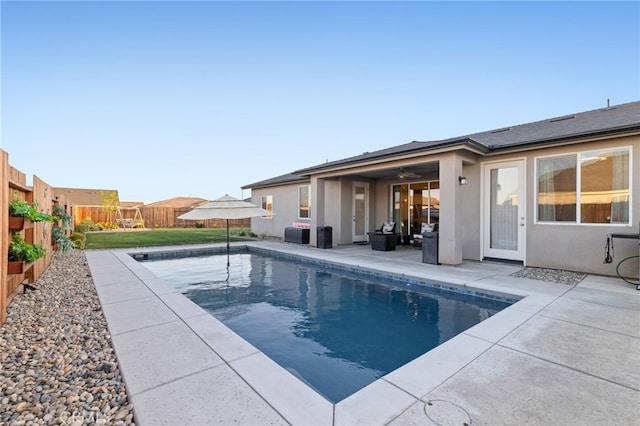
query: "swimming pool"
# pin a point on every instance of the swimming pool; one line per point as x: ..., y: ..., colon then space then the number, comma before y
x: 334, y: 328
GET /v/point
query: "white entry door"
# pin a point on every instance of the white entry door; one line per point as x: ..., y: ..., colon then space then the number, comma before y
x: 360, y: 211
x: 504, y: 210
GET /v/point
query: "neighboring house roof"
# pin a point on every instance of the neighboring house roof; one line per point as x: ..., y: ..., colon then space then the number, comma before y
x: 83, y: 196
x: 131, y: 204
x: 278, y: 180
x: 178, y: 202
x: 614, y: 119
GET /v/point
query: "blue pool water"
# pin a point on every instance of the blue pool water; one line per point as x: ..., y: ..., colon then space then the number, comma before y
x: 334, y: 329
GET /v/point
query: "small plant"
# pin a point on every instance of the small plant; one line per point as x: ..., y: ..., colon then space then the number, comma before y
x: 62, y: 216
x: 106, y: 226
x: 78, y: 239
x: 87, y: 225
x: 19, y: 208
x: 61, y: 239
x: 199, y: 224
x: 21, y: 251
x: 59, y: 233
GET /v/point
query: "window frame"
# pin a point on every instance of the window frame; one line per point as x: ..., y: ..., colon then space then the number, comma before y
x: 262, y: 204
x: 308, y: 206
x: 579, y: 155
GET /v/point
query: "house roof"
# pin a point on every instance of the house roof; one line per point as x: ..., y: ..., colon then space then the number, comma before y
x: 612, y: 119
x: 84, y: 196
x: 131, y: 204
x: 178, y: 202
x: 598, y: 121
x: 278, y: 180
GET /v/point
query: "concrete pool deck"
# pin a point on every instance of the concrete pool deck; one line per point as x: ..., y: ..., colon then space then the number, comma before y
x: 561, y: 355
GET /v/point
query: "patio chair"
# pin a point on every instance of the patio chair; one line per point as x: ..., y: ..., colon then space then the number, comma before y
x: 385, y: 238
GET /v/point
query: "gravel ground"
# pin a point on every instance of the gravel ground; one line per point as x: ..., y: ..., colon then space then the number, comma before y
x: 550, y: 275
x: 57, y: 364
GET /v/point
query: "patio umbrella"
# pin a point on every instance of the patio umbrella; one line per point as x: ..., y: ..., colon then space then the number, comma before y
x: 227, y: 208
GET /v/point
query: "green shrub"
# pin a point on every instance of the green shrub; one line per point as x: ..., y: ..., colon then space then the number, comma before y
x: 199, y: 224
x: 61, y: 239
x: 78, y: 239
x: 86, y: 225
x: 107, y: 226
x: 62, y: 216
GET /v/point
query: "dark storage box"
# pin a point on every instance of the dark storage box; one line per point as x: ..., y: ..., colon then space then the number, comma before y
x: 430, y: 248
x: 296, y: 235
x: 383, y: 242
x: 324, y: 237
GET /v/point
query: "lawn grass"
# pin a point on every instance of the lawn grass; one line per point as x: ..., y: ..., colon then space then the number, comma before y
x: 162, y: 237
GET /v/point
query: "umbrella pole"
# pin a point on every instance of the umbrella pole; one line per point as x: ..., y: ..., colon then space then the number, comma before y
x: 228, y: 263
x: 227, y: 243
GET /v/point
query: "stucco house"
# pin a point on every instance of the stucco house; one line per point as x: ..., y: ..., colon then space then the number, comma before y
x: 545, y: 193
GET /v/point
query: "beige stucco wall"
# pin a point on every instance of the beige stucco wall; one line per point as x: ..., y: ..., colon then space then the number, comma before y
x: 562, y: 246
x: 581, y: 247
x: 339, y: 208
x: 285, y: 209
x: 470, y: 218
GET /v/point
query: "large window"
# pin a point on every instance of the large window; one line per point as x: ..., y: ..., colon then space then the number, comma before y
x: 267, y: 204
x: 414, y: 204
x: 304, y: 202
x: 587, y: 187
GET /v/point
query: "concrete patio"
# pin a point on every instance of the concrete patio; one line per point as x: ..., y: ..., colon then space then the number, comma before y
x: 563, y: 354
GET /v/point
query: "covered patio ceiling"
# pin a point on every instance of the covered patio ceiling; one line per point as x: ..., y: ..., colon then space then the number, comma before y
x: 401, y: 172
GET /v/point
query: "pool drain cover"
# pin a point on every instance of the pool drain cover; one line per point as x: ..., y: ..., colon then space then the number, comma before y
x: 446, y: 413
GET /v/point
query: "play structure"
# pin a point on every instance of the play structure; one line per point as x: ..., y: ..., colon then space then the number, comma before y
x: 129, y: 217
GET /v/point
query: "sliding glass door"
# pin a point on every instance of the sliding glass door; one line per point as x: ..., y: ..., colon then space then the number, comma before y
x: 414, y: 204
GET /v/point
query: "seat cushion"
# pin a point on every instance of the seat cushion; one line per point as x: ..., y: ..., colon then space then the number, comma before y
x: 426, y: 227
x: 388, y: 227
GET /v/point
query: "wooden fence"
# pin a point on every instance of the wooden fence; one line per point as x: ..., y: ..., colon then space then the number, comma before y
x: 13, y: 184
x: 156, y: 217
x: 167, y: 217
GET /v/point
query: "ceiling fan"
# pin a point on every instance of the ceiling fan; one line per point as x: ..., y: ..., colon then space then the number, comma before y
x: 403, y: 174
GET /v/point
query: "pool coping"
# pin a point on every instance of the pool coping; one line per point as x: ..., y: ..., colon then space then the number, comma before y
x: 170, y: 350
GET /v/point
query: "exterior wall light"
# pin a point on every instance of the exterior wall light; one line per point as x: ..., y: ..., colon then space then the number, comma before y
x: 462, y: 180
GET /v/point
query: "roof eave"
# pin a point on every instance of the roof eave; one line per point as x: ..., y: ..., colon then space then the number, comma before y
x: 450, y: 144
x: 267, y: 184
x: 566, y: 139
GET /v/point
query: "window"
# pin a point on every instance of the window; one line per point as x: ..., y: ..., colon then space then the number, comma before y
x: 415, y: 204
x: 267, y: 204
x: 587, y: 187
x: 304, y: 204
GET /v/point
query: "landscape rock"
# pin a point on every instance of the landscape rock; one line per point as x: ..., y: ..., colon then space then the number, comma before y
x: 56, y: 356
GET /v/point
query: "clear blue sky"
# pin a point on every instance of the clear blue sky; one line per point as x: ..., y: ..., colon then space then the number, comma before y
x: 165, y: 99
